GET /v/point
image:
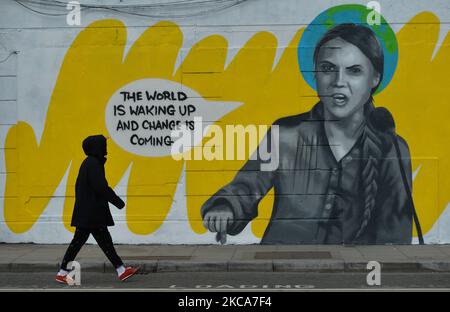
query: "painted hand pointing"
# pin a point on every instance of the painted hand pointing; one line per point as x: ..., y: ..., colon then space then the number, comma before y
x: 218, y: 219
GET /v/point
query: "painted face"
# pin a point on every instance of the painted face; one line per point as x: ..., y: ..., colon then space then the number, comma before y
x: 345, y: 78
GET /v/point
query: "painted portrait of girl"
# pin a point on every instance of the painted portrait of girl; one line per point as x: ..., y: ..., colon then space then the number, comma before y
x: 344, y: 175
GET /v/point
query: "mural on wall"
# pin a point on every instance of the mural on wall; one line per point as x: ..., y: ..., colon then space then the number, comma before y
x: 140, y: 98
x: 338, y: 178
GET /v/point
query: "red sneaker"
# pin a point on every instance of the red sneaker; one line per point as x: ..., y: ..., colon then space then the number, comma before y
x: 129, y: 272
x: 61, y: 279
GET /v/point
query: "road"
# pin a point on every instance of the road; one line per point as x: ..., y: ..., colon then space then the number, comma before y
x: 229, y: 281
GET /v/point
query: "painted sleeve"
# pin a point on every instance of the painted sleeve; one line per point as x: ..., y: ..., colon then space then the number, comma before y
x: 394, y: 209
x: 247, y: 188
x: 97, y: 181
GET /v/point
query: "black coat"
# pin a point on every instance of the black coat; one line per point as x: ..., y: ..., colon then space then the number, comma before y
x: 92, y: 192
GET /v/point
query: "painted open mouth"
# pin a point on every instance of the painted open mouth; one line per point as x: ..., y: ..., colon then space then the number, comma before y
x: 339, y: 98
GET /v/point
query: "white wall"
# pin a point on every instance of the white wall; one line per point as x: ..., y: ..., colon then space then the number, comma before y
x: 32, y: 48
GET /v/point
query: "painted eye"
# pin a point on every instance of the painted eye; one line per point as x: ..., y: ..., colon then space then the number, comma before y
x: 355, y: 70
x: 327, y: 68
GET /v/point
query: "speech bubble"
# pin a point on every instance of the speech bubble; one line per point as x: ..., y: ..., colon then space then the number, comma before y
x: 141, y: 115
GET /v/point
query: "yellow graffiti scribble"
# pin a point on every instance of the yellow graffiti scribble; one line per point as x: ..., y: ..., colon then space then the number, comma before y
x: 93, y: 69
x: 417, y: 98
x: 267, y: 95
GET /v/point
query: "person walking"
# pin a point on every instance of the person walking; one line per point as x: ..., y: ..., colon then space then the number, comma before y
x: 91, y: 214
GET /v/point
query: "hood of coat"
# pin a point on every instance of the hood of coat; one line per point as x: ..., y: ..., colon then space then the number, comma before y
x: 95, y: 145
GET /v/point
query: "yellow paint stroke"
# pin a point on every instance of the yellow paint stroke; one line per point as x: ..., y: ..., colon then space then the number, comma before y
x: 93, y: 70
x: 417, y: 97
x: 267, y: 95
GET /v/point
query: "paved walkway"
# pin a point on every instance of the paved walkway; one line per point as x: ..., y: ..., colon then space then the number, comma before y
x: 233, y: 258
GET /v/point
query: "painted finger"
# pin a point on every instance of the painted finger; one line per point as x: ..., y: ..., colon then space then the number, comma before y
x: 206, y: 221
x: 212, y: 224
x: 223, y: 230
x: 218, y: 224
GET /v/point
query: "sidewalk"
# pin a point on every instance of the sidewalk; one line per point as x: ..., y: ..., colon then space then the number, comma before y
x: 233, y: 258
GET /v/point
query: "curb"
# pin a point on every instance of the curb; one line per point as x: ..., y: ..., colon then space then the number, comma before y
x: 251, y: 266
x: 308, y: 266
x: 163, y: 266
x: 191, y: 266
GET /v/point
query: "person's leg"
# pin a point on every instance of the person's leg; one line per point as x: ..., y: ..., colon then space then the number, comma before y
x: 79, y: 239
x: 105, y: 242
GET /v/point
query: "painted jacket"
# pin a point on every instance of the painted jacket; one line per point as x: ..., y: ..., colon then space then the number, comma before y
x: 319, y: 200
